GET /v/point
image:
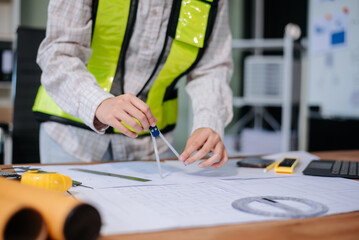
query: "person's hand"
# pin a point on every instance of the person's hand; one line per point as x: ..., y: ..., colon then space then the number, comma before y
x: 124, y: 108
x: 204, y: 141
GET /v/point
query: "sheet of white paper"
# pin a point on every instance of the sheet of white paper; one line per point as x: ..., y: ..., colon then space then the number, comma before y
x: 232, y: 171
x: 174, y: 172
x: 139, y: 169
x: 152, y: 208
x: 190, y: 196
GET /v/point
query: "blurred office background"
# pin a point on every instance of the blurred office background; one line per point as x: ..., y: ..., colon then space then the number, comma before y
x: 295, y: 81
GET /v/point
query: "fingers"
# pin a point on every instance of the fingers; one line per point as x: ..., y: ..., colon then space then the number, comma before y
x: 131, y: 122
x: 204, y: 141
x: 119, y: 126
x: 190, y: 148
x: 145, y: 109
x: 133, y: 112
x: 124, y: 108
x: 223, y: 161
x: 203, y: 151
x: 217, y: 156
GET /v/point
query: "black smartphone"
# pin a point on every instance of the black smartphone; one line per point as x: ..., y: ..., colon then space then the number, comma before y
x: 254, y: 162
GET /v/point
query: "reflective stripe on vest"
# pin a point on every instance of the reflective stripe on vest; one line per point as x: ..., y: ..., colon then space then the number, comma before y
x: 189, y: 39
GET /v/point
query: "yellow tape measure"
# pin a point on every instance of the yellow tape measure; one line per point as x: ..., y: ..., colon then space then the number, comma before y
x: 47, y: 180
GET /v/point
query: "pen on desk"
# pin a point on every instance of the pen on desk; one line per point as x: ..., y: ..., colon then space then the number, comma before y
x: 269, y: 167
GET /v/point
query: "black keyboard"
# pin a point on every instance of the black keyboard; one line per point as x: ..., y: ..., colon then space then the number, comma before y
x: 331, y: 168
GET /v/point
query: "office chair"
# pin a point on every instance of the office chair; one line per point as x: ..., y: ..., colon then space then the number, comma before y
x: 25, y: 132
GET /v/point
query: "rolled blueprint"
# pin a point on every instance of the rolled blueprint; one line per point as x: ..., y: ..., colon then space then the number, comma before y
x: 18, y: 221
x: 65, y: 217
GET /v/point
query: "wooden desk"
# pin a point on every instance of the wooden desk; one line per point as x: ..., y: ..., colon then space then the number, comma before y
x: 339, y: 226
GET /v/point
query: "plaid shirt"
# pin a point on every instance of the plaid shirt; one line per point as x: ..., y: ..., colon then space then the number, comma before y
x: 63, y: 55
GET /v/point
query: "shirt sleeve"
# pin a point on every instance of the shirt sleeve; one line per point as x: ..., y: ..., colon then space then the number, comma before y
x: 62, y: 57
x: 208, y: 84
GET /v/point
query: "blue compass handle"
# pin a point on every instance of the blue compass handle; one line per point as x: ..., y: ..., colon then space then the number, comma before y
x: 154, y: 131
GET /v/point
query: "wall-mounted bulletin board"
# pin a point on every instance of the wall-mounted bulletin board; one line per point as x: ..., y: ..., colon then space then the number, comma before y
x: 333, y: 70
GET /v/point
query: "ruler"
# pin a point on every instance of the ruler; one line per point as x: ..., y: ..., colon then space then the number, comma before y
x: 111, y: 174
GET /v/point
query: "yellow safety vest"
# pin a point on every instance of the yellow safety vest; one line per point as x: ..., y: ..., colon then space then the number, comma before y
x: 190, y: 25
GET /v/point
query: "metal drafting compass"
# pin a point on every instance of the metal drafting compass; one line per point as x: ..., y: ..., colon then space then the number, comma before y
x: 155, y: 132
x: 277, y: 206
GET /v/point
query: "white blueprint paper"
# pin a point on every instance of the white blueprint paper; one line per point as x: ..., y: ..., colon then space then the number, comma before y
x: 174, y: 172
x: 153, y: 208
x: 189, y: 196
x: 232, y: 171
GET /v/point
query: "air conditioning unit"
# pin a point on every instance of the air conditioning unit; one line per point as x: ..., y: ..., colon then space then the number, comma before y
x: 263, y: 80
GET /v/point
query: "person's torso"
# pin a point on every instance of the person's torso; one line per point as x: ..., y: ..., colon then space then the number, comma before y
x: 146, y: 44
